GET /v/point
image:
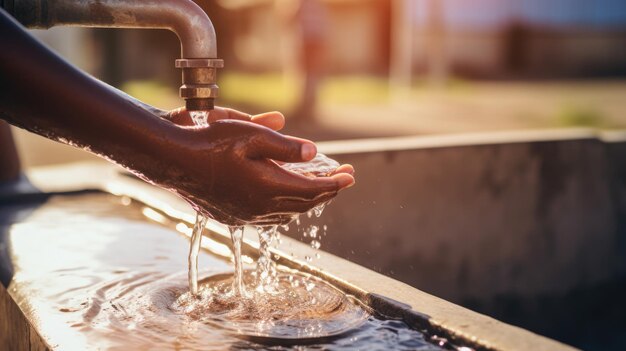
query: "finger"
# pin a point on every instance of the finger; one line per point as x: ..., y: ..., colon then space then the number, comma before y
x: 273, y: 120
x: 220, y: 113
x: 344, y: 180
x: 274, y: 219
x: 347, y: 168
x: 275, y: 146
x: 289, y: 206
x: 294, y: 186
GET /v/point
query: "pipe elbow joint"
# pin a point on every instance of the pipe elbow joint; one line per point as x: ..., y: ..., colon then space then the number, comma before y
x: 191, y: 24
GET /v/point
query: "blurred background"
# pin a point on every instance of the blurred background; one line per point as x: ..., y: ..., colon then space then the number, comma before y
x: 369, y: 68
x: 532, y: 233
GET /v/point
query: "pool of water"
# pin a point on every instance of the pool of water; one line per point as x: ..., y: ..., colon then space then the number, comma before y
x: 91, y: 271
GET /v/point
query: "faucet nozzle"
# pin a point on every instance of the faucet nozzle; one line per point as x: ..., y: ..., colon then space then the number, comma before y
x: 199, y: 87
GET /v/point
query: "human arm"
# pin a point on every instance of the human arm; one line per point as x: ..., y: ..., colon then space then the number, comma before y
x: 223, y: 168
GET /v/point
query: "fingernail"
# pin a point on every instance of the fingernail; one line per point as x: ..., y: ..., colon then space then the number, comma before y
x: 308, y: 151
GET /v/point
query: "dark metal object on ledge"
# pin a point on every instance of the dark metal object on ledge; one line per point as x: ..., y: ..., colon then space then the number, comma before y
x: 9, y: 159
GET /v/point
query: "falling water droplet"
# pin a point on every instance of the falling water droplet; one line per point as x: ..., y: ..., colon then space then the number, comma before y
x: 315, y: 244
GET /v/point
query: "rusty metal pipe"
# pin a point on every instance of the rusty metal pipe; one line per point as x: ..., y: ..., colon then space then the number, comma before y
x: 190, y: 23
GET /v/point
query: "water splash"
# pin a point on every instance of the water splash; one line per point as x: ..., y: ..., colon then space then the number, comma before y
x: 200, y: 118
x: 320, y: 166
x: 319, y: 209
x: 310, y: 308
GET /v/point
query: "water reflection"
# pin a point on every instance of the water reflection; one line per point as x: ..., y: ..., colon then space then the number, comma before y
x: 92, y: 273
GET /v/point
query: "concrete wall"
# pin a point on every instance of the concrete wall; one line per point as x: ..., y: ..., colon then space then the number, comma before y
x: 484, y: 218
x: 529, y: 227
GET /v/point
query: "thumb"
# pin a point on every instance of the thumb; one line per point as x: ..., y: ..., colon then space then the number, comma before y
x: 280, y: 147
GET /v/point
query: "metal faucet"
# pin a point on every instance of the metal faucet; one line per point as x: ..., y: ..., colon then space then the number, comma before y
x: 191, y: 24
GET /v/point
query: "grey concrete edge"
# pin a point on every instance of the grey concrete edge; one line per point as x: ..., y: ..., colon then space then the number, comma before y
x: 386, y: 295
x: 454, y: 140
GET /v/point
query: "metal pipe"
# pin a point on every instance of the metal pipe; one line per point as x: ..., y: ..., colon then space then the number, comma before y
x: 190, y: 23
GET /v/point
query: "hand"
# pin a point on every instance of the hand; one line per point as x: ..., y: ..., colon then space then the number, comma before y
x: 273, y: 120
x: 229, y: 173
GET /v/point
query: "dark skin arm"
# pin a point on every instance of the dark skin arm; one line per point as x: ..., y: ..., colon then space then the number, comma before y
x: 225, y: 170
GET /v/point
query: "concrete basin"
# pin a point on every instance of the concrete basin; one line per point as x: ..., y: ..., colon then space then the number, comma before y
x: 21, y: 330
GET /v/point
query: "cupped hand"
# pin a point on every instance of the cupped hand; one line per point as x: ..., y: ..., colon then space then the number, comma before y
x: 228, y: 169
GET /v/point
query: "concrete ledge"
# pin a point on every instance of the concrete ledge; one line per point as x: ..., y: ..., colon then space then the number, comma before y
x: 16, y: 332
x: 357, y: 146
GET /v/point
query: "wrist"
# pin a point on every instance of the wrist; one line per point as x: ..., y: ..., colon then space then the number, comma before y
x: 172, y: 145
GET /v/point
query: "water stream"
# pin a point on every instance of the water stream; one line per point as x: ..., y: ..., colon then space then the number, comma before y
x: 196, y: 242
x: 200, y: 119
x: 266, y: 268
x: 238, y: 285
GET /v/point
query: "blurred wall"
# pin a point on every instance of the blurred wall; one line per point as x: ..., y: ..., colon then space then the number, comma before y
x: 497, y: 39
x: 358, y: 40
x: 486, y: 38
